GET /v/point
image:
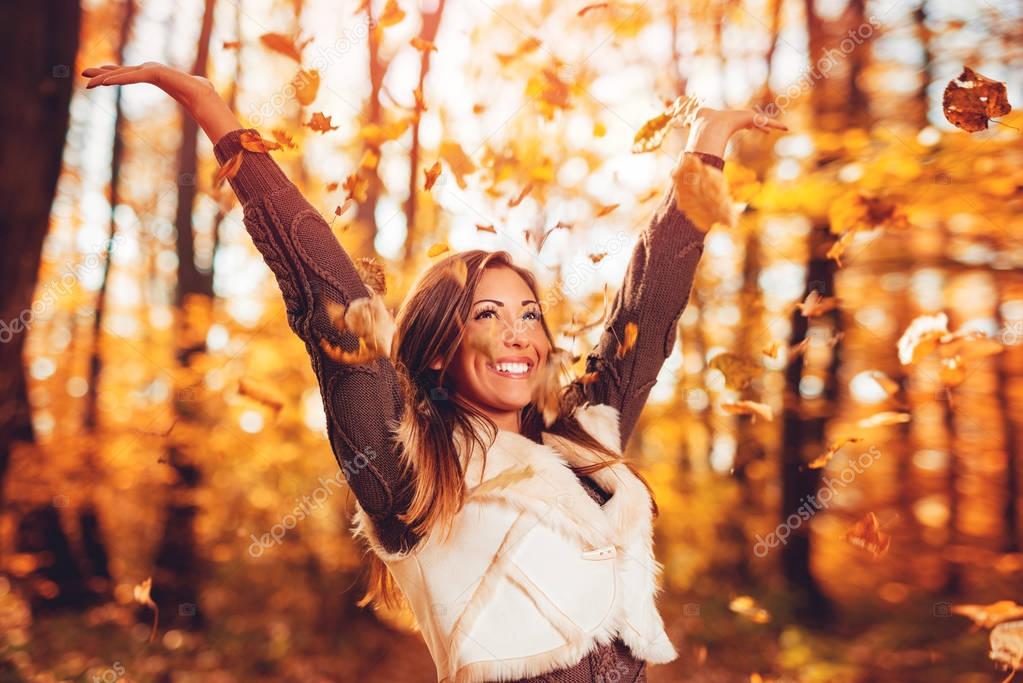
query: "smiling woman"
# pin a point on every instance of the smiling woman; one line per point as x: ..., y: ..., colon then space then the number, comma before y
x: 495, y: 499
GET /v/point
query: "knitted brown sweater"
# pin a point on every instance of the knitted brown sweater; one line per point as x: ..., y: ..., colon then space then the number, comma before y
x: 312, y: 269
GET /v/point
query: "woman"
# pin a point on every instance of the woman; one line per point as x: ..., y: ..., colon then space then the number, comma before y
x: 508, y: 521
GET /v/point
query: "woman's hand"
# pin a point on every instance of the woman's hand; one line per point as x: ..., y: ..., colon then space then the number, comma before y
x: 195, y: 93
x: 712, y: 128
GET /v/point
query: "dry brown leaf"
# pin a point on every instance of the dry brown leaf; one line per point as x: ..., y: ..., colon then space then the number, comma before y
x: 884, y: 419
x: 458, y: 161
x: 989, y: 616
x: 260, y: 394
x: 486, y: 228
x: 283, y: 138
x: 823, y: 459
x: 590, y: 8
x: 816, y: 305
x: 651, y: 134
x: 749, y: 408
x: 356, y: 186
x: 738, y: 371
x: 515, y: 201
x: 867, y: 534
x: 701, y: 192
x: 971, y: 100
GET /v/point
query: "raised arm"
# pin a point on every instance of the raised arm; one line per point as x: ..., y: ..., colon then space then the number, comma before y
x: 313, y: 271
x: 657, y: 283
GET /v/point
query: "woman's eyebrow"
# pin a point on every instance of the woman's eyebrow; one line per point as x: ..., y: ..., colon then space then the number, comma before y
x: 500, y: 303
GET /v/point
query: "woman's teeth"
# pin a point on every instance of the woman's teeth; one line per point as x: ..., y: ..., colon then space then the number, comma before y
x: 511, y: 369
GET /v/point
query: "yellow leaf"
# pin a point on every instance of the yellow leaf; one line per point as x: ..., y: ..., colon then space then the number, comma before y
x: 306, y: 84
x: 228, y: 170
x: 701, y: 192
x: 438, y: 248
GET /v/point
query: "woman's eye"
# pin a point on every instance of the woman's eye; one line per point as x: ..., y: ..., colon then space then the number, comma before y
x: 483, y: 313
x: 535, y: 314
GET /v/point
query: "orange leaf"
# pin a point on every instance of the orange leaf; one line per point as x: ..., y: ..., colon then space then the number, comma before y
x: 431, y: 175
x: 631, y: 333
x: 486, y: 228
x: 283, y: 138
x: 228, y: 170
x: 866, y: 534
x: 605, y: 209
x: 590, y: 8
x: 438, y: 248
x: 391, y: 15
x: 319, y: 123
x: 423, y: 45
x: 522, y: 195
x: 306, y: 83
x: 650, y: 136
x: 255, y: 143
x: 285, y: 45
x: 356, y: 187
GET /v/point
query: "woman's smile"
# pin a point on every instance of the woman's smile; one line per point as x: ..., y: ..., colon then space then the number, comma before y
x: 512, y: 367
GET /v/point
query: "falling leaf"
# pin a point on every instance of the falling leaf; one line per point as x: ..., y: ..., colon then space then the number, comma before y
x: 771, y: 350
x: 989, y: 616
x: 701, y: 192
x: 285, y: 45
x: 283, y: 138
x: 232, y: 44
x: 590, y: 8
x: 375, y: 135
x: 598, y: 257
x: 254, y: 142
x: 509, y: 477
x: 457, y: 160
x: 816, y: 305
x: 738, y: 371
x: 391, y: 15
x: 356, y: 186
x: 420, y: 103
x: 228, y: 170
x: 866, y: 534
x: 370, y: 159
x: 486, y: 228
x: 921, y: 337
x: 605, y: 209
x: 889, y: 385
x: 884, y: 419
x: 319, y: 123
x: 971, y: 100
x: 260, y: 394
x: 749, y: 408
x: 372, y: 274
x: 370, y: 321
x: 141, y: 593
x: 599, y: 129
x: 537, y: 236
x: 746, y: 606
x: 306, y: 84
x: 423, y: 45
x: 1006, y: 642
x: 431, y: 175
x: 333, y: 186
x: 629, y: 341
x: 525, y: 47
x: 522, y: 195
x: 478, y: 108
x: 437, y: 249
x: 650, y: 136
x: 823, y: 459
x: 546, y: 395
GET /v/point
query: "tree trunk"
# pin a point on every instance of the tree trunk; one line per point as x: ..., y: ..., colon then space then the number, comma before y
x: 176, y: 573
x: 427, y: 31
x: 43, y: 42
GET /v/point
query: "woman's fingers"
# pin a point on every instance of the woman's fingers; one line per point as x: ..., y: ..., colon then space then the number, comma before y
x: 765, y: 123
x: 114, y: 75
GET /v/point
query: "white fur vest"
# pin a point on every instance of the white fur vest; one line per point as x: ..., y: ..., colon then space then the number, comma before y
x: 534, y: 573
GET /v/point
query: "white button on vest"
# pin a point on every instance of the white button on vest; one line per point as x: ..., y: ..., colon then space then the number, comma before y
x: 600, y: 553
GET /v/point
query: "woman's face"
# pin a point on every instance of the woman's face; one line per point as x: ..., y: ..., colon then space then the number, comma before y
x: 498, y: 363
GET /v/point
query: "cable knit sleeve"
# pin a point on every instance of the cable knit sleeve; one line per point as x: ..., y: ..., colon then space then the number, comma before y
x: 312, y: 269
x: 654, y: 294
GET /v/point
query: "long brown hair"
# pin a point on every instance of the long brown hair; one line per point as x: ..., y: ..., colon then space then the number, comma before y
x: 430, y: 325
